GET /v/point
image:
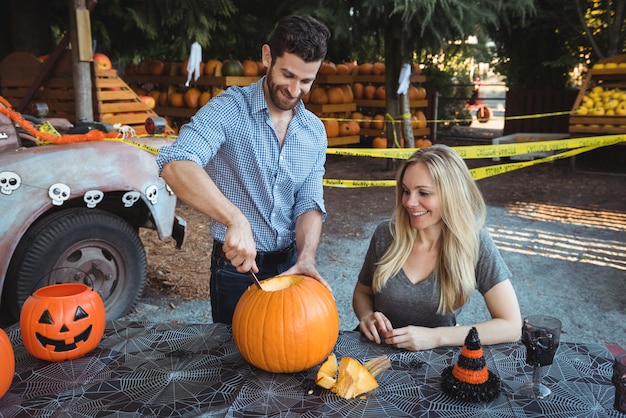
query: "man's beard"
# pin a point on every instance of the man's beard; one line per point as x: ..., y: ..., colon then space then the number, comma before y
x: 277, y: 93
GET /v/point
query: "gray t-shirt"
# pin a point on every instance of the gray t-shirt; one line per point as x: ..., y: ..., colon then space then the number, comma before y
x: 405, y: 303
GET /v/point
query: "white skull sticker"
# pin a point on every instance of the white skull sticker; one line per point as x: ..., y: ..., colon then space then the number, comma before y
x: 93, y: 197
x: 130, y: 198
x: 152, y: 193
x: 9, y: 182
x: 59, y: 193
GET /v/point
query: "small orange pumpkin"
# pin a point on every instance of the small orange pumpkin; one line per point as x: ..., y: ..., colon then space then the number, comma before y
x: 345, y: 129
x: 250, y: 68
x: 8, y: 367
x: 418, y: 120
x: 328, y: 68
x: 358, y: 90
x: 379, y: 142
x: 288, y: 326
x: 378, y: 122
x: 149, y: 101
x: 176, y: 99
x: 342, y: 69
x: 365, y: 68
x: 369, y: 92
x: 348, y: 94
x: 423, y: 143
x: 210, y: 66
x: 62, y: 321
x: 318, y: 96
x: 335, y: 95
x: 332, y: 127
x: 191, y: 97
x: 380, y: 93
x: 378, y: 68
x: 102, y: 61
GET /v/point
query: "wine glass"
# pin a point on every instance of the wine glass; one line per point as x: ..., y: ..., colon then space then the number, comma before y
x: 540, y: 335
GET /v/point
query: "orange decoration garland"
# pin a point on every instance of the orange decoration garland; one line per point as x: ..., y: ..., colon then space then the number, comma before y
x: 93, y: 135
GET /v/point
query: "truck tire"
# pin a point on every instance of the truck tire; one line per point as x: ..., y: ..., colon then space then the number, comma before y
x: 91, y: 246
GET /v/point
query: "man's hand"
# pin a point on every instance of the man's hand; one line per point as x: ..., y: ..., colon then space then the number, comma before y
x: 239, y: 246
x: 306, y: 269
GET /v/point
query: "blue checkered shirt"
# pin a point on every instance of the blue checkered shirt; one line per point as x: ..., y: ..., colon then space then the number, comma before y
x: 233, y: 138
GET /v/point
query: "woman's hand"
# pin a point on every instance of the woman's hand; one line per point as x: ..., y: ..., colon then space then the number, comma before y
x: 374, y: 325
x: 412, y: 338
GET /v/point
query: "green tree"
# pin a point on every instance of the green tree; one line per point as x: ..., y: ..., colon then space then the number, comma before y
x: 540, y: 52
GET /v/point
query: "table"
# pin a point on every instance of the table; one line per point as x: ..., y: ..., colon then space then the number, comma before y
x: 177, y: 370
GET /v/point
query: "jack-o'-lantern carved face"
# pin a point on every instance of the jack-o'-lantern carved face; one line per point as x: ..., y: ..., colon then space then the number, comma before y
x: 62, y: 321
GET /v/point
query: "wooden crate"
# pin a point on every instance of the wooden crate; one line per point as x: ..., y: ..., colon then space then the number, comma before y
x: 581, y: 125
x: 115, y: 102
x: 20, y: 70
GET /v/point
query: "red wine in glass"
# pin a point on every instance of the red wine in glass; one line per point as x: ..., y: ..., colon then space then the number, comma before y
x: 541, y: 340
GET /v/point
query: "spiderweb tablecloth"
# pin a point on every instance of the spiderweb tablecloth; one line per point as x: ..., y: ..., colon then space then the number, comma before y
x: 174, y: 370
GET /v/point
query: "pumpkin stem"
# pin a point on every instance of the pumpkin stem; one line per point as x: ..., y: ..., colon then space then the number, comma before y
x: 378, y: 365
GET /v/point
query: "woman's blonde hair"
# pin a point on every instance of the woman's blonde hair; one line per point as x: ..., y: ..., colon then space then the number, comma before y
x: 463, y: 215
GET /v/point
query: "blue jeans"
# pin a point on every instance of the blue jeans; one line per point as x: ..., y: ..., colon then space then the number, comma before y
x: 227, y: 284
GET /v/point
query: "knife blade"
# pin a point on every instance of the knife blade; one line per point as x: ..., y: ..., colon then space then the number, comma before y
x: 255, y: 279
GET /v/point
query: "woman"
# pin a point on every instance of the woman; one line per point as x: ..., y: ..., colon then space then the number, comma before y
x: 423, y: 265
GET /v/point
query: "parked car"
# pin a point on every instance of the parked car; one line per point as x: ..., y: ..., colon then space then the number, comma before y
x: 72, y: 213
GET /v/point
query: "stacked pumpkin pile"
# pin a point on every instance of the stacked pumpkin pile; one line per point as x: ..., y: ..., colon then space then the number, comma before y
x: 192, y: 97
x: 375, y: 91
x: 335, y: 123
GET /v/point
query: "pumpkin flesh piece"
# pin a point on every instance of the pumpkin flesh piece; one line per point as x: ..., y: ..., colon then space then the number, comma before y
x: 353, y: 379
x: 327, y: 374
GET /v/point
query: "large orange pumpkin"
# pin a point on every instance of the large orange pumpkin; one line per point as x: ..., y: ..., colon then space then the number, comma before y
x: 8, y: 367
x: 289, y: 325
x: 62, y: 321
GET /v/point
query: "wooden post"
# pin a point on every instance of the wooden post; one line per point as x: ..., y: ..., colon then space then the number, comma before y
x: 81, y: 69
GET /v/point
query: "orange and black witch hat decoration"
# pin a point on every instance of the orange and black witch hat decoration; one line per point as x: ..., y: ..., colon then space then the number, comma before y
x: 469, y: 379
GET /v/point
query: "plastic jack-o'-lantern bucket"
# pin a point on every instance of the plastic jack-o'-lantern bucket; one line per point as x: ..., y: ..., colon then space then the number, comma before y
x: 8, y: 359
x: 62, y: 321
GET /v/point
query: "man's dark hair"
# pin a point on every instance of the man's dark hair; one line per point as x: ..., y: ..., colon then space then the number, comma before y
x: 303, y: 36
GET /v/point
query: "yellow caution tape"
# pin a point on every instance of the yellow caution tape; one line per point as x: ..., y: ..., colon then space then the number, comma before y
x: 47, y: 127
x: 149, y: 148
x: 487, y: 151
x: 575, y: 146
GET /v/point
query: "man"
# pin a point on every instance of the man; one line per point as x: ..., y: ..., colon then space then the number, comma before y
x: 252, y: 159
